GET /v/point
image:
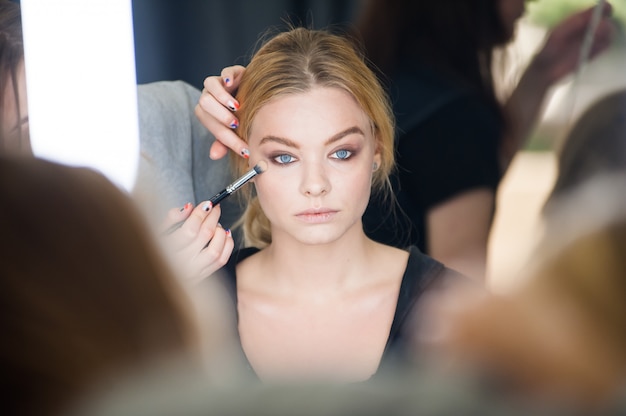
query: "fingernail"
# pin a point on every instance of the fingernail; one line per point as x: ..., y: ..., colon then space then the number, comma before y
x: 227, y: 81
x: 207, y: 206
x: 228, y: 233
x: 186, y: 207
x: 245, y: 153
x: 234, y: 124
x: 233, y: 105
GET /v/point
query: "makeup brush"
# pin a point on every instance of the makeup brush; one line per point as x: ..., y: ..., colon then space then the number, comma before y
x: 229, y: 190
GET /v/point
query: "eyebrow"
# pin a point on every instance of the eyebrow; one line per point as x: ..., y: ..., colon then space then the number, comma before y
x: 334, y: 138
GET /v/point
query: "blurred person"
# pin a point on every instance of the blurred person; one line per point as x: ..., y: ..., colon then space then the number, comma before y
x: 561, y: 333
x: 595, y: 145
x: 85, y: 296
x: 14, y: 132
x: 454, y: 138
x: 316, y: 298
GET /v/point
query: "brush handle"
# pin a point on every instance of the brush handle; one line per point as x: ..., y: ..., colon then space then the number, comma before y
x: 223, y: 194
x: 217, y: 198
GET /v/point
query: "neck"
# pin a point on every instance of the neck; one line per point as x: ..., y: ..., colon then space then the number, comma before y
x: 337, y: 265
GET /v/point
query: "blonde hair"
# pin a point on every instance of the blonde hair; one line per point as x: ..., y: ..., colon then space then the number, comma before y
x: 294, y: 62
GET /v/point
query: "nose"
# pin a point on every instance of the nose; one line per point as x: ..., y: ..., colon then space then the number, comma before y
x: 315, y: 180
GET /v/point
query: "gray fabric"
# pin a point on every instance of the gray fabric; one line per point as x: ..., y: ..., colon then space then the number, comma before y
x: 175, y: 167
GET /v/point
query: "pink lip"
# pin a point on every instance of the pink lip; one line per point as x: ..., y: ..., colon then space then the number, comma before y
x: 316, y: 216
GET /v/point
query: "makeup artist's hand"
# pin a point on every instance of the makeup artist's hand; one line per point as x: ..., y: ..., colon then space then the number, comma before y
x: 215, y: 110
x: 200, y: 246
x: 560, y: 53
x: 557, y: 58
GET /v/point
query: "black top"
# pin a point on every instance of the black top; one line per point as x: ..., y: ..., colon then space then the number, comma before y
x: 447, y: 141
x: 420, y: 276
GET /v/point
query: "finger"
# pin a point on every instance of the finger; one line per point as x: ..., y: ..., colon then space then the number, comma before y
x: 214, y: 86
x: 207, y: 229
x: 210, y: 105
x: 218, y: 150
x: 229, y: 245
x: 231, y: 76
x: 174, y: 217
x: 216, y: 254
x: 225, y: 135
x: 187, y: 234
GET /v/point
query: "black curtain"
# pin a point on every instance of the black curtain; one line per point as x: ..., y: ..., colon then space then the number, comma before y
x: 190, y: 39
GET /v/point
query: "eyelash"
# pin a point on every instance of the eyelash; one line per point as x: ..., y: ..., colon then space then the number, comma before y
x: 350, y: 153
x: 276, y: 158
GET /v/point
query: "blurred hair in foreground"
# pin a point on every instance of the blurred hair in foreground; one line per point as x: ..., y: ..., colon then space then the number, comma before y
x: 85, y: 295
x: 560, y: 335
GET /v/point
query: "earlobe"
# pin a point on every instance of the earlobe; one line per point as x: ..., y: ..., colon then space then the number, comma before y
x: 376, y: 164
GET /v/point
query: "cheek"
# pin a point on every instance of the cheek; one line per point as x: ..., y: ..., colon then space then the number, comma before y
x: 356, y: 185
x: 274, y: 190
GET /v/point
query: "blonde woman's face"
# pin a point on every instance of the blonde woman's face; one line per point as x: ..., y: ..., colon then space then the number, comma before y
x: 15, y: 131
x: 320, y: 149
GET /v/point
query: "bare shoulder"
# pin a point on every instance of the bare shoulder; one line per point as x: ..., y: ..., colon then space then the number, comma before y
x: 388, y: 261
x: 247, y: 268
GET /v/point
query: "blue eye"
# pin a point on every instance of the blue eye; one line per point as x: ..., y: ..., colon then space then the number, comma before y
x: 284, y: 159
x: 342, y: 154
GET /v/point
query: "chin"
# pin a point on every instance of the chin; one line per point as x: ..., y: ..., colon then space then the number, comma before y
x: 318, y: 237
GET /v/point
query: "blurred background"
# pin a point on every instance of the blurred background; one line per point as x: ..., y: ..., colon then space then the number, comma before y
x: 190, y: 39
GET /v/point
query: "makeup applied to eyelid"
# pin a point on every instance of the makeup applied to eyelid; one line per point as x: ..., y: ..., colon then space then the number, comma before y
x: 334, y: 138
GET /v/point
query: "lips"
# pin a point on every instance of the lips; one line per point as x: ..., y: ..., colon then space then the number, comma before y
x: 316, y: 216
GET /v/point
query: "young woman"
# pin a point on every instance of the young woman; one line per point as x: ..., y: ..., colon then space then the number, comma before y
x: 315, y: 297
x: 454, y: 138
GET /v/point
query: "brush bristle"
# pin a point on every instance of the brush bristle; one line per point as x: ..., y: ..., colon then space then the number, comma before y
x: 260, y: 167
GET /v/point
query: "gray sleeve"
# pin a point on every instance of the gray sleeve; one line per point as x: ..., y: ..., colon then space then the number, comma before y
x: 175, y: 167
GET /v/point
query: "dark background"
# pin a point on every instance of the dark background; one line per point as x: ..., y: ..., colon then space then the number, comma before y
x: 190, y: 39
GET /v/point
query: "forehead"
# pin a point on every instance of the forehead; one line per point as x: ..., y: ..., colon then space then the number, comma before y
x: 319, y: 112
